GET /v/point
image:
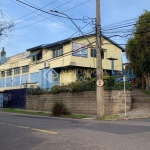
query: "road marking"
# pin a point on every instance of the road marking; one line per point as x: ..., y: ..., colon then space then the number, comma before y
x: 35, y: 129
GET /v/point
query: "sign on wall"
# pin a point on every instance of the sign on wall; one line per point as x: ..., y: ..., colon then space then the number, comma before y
x: 79, y: 50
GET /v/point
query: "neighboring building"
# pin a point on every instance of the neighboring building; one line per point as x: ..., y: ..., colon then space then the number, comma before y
x: 57, y: 63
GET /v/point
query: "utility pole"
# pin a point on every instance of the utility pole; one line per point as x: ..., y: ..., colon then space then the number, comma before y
x: 99, y: 89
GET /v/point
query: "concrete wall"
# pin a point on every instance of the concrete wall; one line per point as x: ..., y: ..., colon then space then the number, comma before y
x: 82, y: 103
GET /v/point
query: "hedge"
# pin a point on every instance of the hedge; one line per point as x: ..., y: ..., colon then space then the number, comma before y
x: 79, y: 86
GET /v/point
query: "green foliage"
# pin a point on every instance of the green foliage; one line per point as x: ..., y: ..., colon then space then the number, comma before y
x: 110, y: 84
x: 77, y: 116
x: 138, y: 47
x: 79, y: 86
x: 147, y: 92
x: 59, y: 109
x: 110, y: 117
x: 22, y: 111
x: 37, y: 91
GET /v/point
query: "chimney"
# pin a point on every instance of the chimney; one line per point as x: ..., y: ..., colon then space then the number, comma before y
x: 3, y: 56
x: 3, y: 52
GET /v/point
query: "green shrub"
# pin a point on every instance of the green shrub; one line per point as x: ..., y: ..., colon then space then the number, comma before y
x: 37, y: 91
x: 111, y: 84
x: 59, y: 109
x: 79, y: 86
x: 59, y: 88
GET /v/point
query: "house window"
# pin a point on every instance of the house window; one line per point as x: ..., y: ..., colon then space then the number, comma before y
x: 25, y: 69
x: 9, y: 72
x: 93, y: 53
x: 38, y: 56
x: 57, y: 52
x: 2, y: 73
x: 16, y: 71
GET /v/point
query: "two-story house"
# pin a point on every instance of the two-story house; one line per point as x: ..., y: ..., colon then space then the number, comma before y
x: 57, y: 63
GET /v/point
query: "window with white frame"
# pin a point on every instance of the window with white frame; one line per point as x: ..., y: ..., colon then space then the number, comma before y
x: 37, y: 56
x: 16, y: 71
x: 9, y: 72
x: 58, y: 52
x: 25, y: 69
x: 2, y: 73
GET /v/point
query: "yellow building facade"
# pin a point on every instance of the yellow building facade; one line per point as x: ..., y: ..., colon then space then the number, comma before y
x: 61, y: 62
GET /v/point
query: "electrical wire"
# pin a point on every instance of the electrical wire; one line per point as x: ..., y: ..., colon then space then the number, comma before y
x: 50, y: 17
x: 35, y: 10
x: 47, y: 12
x: 40, y: 20
x: 112, y: 25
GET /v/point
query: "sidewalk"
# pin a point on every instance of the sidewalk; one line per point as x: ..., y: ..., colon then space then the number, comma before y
x: 141, y: 105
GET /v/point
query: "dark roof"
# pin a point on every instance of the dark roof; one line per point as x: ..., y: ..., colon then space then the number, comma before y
x: 69, y: 40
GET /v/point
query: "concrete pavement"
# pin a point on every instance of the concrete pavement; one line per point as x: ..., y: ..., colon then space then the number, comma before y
x: 16, y: 132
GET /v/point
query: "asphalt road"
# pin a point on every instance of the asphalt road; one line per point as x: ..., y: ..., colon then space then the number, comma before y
x: 25, y: 132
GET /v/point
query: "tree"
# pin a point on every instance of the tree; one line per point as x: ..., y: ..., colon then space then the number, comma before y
x: 6, y: 26
x: 138, y: 47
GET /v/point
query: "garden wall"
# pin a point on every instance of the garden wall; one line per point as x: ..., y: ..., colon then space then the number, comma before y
x: 81, y: 102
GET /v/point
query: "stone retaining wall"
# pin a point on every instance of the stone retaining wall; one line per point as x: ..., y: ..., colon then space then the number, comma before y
x: 81, y: 103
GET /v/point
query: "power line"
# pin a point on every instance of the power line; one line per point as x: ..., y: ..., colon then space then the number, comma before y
x: 77, y: 6
x: 52, y: 20
x: 40, y: 20
x: 130, y: 34
x: 119, y: 27
x: 123, y: 26
x: 35, y: 10
x: 63, y: 4
x: 44, y: 20
x: 47, y: 12
x: 112, y: 25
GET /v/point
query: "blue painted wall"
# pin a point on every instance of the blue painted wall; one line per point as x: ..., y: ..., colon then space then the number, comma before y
x: 24, y: 78
x: 9, y: 82
x: 45, y: 76
x: 34, y: 77
x: 2, y: 83
x: 16, y: 80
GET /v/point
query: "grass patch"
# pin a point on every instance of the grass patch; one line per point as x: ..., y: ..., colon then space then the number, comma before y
x: 21, y: 111
x: 76, y: 116
x: 110, y: 117
x: 147, y: 92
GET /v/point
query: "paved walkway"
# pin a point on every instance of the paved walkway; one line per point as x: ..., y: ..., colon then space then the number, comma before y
x: 141, y: 105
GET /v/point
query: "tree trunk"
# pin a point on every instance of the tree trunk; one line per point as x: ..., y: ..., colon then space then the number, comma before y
x: 147, y: 81
x: 142, y: 82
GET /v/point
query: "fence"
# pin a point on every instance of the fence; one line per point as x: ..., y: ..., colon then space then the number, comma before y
x: 14, y: 98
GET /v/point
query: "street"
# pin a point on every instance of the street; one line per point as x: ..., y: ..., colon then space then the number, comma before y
x: 27, y: 132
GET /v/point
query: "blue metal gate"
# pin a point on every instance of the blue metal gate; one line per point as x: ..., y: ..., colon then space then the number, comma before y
x: 1, y: 100
x: 14, y: 98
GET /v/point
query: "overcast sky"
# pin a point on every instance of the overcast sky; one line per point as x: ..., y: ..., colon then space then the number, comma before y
x: 32, y: 28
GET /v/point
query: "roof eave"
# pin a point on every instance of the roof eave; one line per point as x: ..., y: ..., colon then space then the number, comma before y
x: 105, y: 37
